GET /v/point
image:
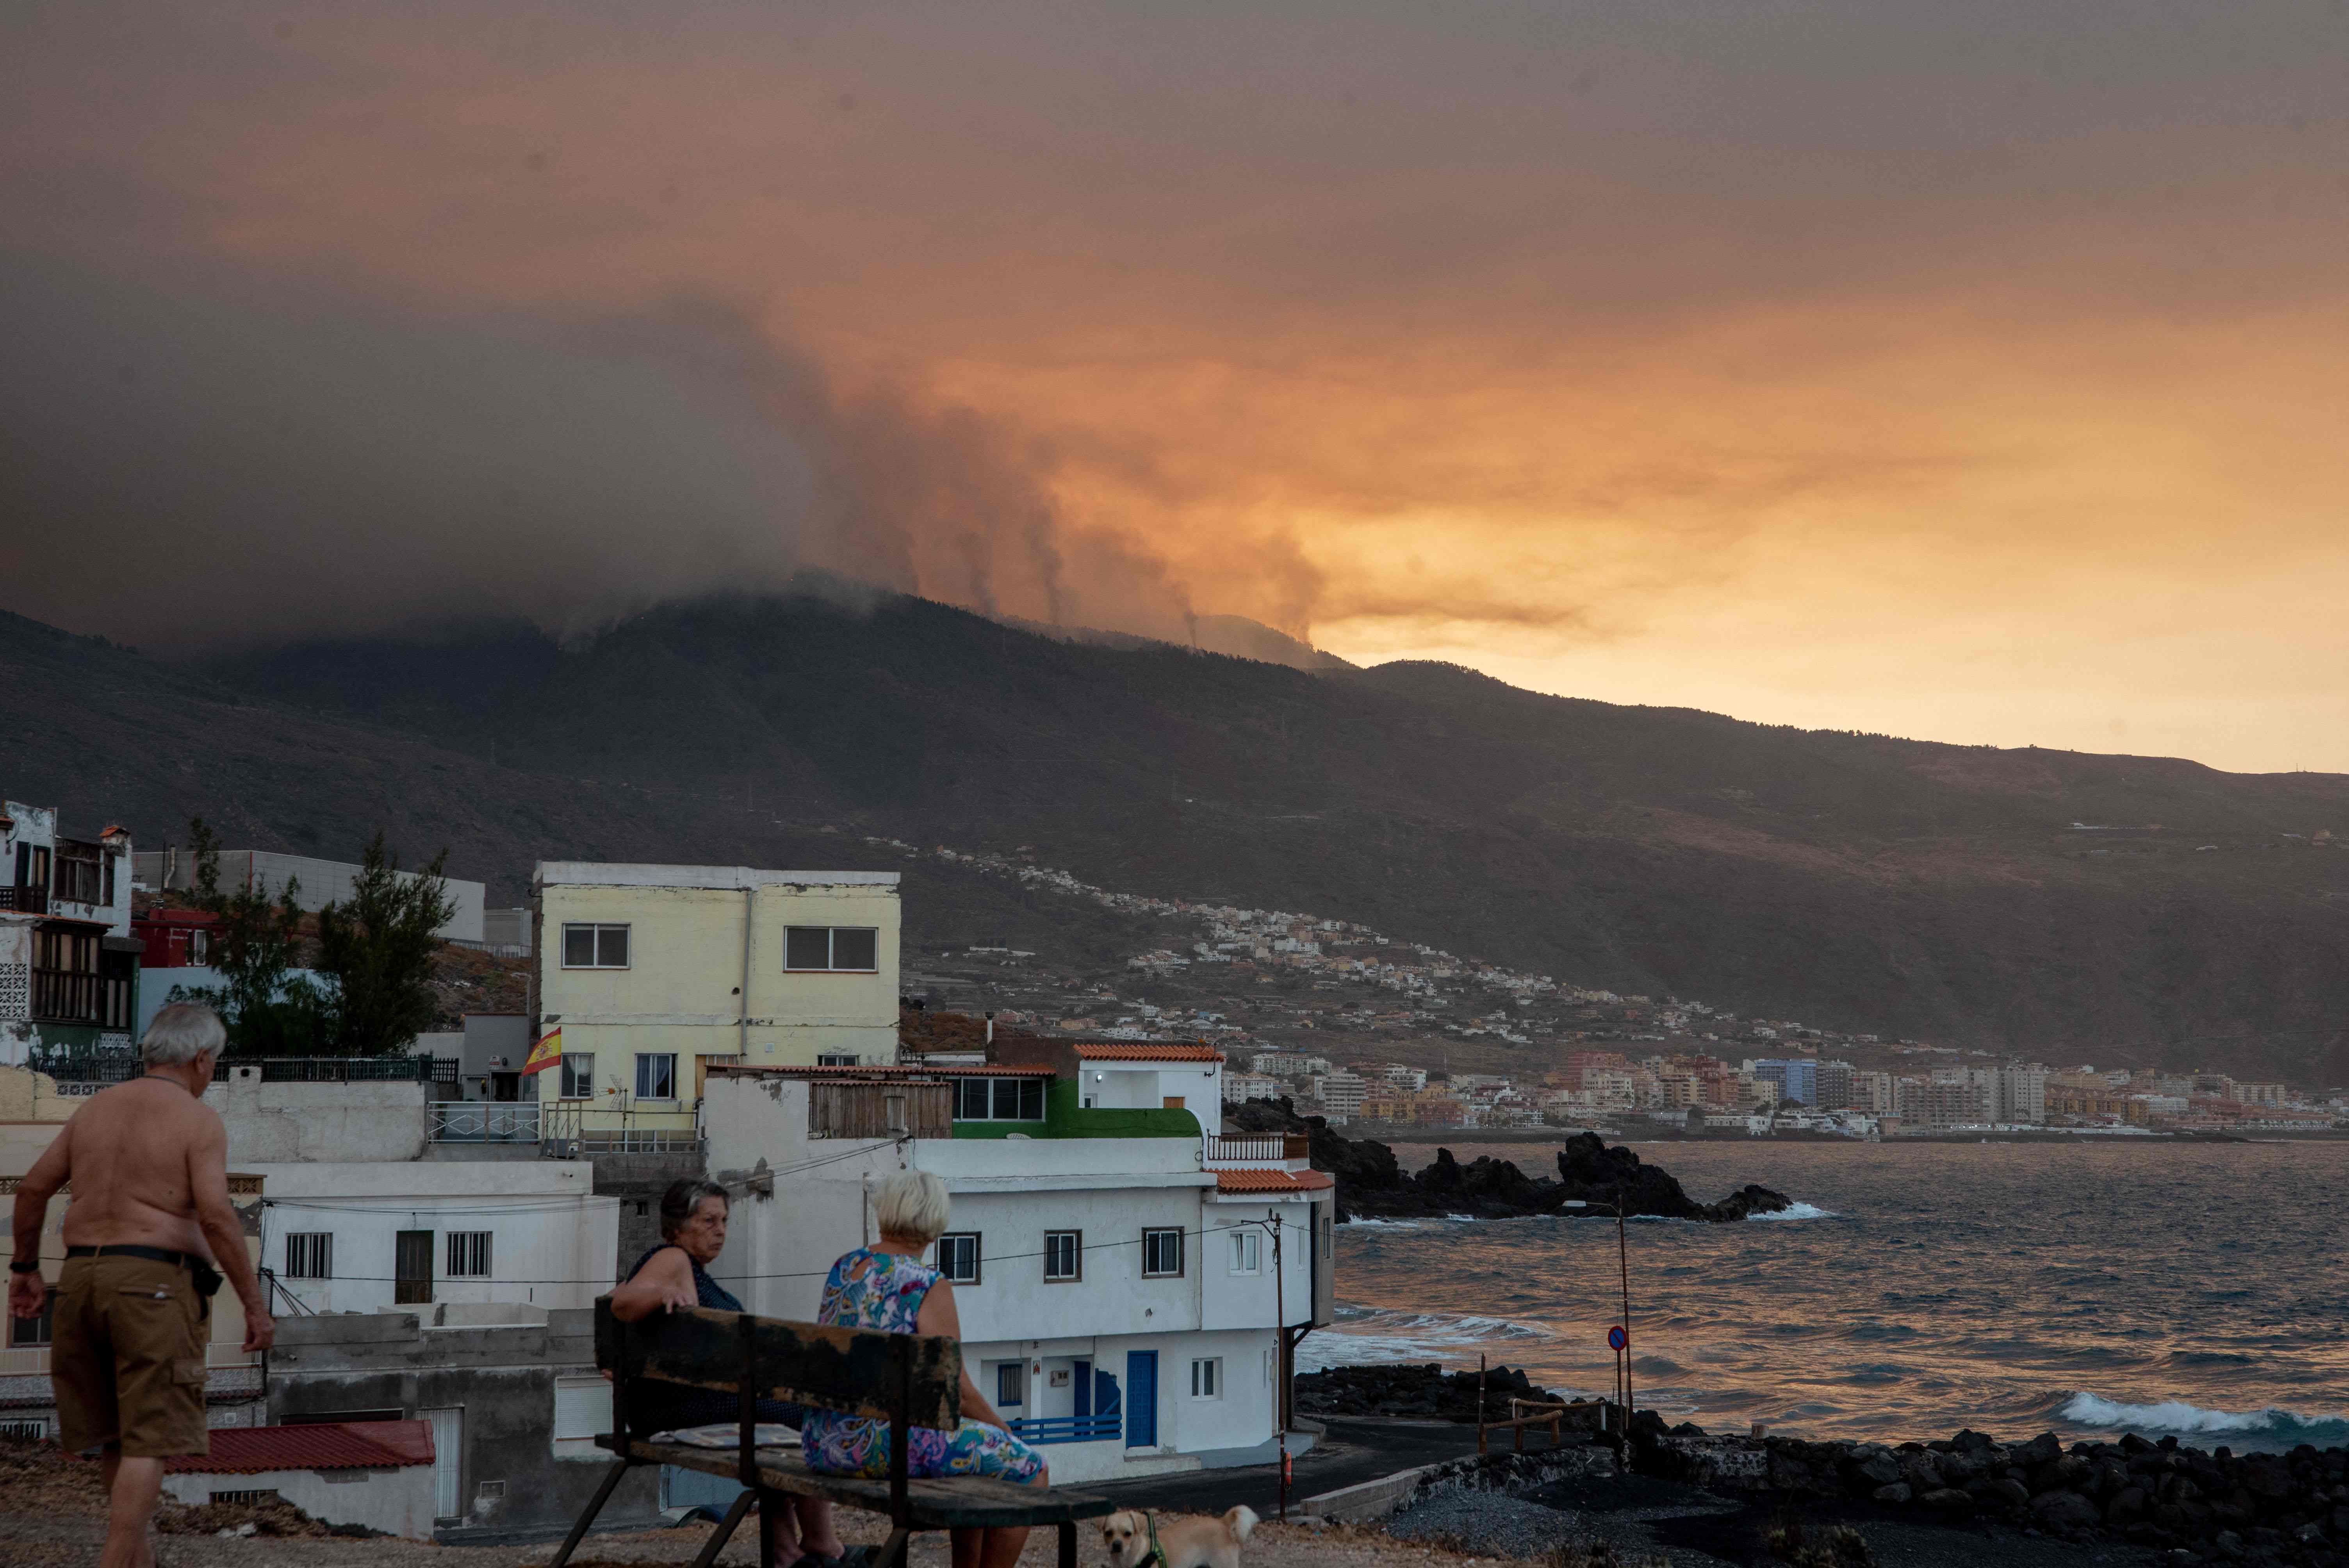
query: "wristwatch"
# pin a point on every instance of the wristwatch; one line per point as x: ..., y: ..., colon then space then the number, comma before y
x: 33, y: 1267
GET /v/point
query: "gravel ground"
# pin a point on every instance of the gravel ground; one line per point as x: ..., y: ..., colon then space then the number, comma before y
x: 1489, y: 1525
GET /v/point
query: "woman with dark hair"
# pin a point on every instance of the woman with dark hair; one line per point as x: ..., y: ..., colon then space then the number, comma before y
x: 676, y: 1273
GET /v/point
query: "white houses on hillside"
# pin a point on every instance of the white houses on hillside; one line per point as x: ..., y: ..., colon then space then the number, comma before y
x: 1131, y: 1286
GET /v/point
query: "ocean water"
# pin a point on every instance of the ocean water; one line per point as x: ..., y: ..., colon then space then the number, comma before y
x: 2089, y: 1289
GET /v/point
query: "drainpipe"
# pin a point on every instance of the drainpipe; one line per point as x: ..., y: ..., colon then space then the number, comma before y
x: 743, y: 1046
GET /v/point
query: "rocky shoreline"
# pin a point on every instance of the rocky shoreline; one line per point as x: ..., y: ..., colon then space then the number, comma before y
x: 2213, y: 1505
x: 1373, y: 1185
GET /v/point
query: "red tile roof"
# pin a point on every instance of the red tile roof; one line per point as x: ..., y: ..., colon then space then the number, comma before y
x: 329, y: 1445
x: 1145, y: 1051
x: 1273, y: 1181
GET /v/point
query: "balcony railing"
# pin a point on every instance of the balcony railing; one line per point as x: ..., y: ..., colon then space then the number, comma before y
x: 568, y: 1127
x: 1258, y: 1148
x: 1069, y: 1428
x: 24, y: 900
x: 484, y: 1121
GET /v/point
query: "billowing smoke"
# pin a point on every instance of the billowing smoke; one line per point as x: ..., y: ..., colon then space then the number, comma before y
x: 210, y: 461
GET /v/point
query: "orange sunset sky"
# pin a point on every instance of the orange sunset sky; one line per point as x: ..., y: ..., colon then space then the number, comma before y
x: 1968, y: 372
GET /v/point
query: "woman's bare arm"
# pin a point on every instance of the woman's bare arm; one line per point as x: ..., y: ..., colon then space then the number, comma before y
x: 941, y: 1317
x: 666, y: 1281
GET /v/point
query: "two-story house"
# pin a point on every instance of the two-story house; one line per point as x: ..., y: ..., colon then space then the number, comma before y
x: 69, y: 964
x: 1131, y: 1283
x: 654, y: 973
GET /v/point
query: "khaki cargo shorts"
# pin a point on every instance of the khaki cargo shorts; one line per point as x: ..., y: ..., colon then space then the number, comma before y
x: 126, y: 1357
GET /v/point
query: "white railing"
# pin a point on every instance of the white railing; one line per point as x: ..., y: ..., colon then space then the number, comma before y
x: 484, y: 1121
x: 1257, y: 1148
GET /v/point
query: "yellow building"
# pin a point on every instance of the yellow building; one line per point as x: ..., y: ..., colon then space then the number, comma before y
x: 654, y: 971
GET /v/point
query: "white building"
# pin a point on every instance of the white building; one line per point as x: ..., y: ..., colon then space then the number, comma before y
x: 418, y: 1234
x: 1340, y: 1094
x: 69, y: 965
x: 1151, y: 1075
x: 1241, y: 1088
x: 1116, y: 1269
x: 316, y: 882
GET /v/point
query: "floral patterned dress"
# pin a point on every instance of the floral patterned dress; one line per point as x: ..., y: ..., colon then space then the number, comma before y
x: 884, y: 1292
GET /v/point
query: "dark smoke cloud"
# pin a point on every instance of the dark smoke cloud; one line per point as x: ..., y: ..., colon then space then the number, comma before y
x: 219, y: 460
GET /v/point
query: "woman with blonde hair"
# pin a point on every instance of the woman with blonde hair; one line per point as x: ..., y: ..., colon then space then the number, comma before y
x: 887, y: 1287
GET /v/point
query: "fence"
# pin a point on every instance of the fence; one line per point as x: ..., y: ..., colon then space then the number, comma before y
x: 483, y: 1121
x: 1260, y: 1145
x: 568, y: 1127
x: 1068, y: 1428
x: 116, y: 1067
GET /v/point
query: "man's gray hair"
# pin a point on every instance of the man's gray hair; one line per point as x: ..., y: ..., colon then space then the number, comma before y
x: 180, y: 1033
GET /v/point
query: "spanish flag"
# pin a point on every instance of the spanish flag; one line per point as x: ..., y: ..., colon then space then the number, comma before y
x: 547, y: 1052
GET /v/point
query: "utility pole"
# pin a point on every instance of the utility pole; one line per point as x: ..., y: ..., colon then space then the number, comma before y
x: 1623, y: 1262
x: 1280, y: 1357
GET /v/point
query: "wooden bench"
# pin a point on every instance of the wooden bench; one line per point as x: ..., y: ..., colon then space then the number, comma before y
x: 909, y: 1380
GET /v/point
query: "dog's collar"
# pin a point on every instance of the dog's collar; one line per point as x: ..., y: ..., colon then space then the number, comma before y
x: 1157, y: 1552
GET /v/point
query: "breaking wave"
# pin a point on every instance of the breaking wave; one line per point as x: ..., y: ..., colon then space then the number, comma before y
x: 1798, y: 1210
x: 1364, y: 1336
x: 2271, y: 1425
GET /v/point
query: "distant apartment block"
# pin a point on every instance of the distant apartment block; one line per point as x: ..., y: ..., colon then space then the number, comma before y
x: 1340, y: 1094
x: 316, y: 882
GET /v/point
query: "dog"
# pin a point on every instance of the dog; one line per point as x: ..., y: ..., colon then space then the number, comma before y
x: 1132, y: 1541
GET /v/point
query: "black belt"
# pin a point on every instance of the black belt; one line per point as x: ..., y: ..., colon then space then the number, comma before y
x: 188, y: 1261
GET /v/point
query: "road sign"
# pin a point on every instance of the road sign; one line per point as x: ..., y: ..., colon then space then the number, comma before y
x: 1617, y: 1339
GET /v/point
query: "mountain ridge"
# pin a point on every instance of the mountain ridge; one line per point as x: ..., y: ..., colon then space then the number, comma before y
x: 1943, y: 892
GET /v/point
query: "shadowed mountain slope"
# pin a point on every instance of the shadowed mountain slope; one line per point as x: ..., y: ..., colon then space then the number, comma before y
x: 1945, y: 892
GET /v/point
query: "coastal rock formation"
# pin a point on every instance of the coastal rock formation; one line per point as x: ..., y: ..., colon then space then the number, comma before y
x: 1414, y: 1391
x: 1371, y: 1184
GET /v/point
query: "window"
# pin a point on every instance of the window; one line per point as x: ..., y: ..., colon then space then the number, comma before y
x: 958, y: 1257
x: 1063, y: 1254
x: 1247, y: 1252
x: 656, y: 1075
x: 850, y: 947
x: 469, y: 1255
x: 1000, y: 1100
x: 29, y: 1332
x: 310, y: 1254
x: 1011, y: 1383
x: 411, y: 1267
x: 1207, y: 1378
x: 255, y: 1496
x: 1162, y: 1253
x: 837, y: 1060
x: 65, y: 975
x: 578, y: 1074
x: 35, y: 1430
x: 1328, y: 1246
x: 78, y: 876
x: 595, y: 946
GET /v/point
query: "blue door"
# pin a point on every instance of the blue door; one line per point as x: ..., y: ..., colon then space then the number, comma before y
x: 1142, y: 1398
x: 1083, y: 1382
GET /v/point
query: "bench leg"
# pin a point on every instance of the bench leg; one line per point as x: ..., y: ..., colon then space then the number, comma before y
x: 725, y: 1529
x: 1068, y: 1544
x: 587, y: 1515
x: 893, y: 1553
x: 771, y: 1507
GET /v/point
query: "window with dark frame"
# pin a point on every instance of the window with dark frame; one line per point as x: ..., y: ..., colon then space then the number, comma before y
x: 469, y: 1255
x: 855, y: 949
x: 1206, y: 1377
x: 310, y: 1254
x: 588, y: 945
x: 1162, y: 1252
x: 998, y: 1099
x: 578, y: 1074
x: 1064, y: 1253
x: 958, y: 1257
x: 1010, y: 1384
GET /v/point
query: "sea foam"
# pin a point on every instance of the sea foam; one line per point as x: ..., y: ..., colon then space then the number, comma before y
x: 2177, y: 1416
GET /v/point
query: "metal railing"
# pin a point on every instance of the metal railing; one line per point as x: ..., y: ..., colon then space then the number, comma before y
x: 568, y: 1127
x: 483, y: 1121
x: 116, y: 1067
x: 1260, y: 1145
x: 1068, y: 1429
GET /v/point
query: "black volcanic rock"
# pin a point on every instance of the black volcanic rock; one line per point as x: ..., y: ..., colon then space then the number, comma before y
x: 1371, y: 1183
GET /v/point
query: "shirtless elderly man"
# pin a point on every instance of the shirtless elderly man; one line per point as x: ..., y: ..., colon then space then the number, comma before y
x: 148, y: 1161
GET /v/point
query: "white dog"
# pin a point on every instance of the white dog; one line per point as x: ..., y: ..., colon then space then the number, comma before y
x: 1137, y: 1540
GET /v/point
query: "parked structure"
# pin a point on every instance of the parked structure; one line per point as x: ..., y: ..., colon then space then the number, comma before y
x: 69, y: 964
x: 317, y: 882
x: 510, y: 1395
x: 655, y: 973
x: 378, y: 1474
x: 1116, y: 1267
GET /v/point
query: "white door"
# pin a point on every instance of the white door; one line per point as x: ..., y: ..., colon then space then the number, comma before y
x: 448, y: 1460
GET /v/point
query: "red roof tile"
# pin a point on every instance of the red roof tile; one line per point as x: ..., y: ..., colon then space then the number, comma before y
x: 1273, y: 1181
x: 329, y: 1445
x: 1145, y: 1051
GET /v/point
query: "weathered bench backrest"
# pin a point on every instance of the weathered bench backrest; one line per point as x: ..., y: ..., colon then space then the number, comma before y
x: 851, y: 1370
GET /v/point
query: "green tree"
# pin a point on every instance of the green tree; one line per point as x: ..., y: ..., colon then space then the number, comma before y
x: 378, y: 945
x: 253, y: 944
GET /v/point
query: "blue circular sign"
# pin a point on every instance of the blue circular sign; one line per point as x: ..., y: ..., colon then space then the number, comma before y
x: 1617, y: 1339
